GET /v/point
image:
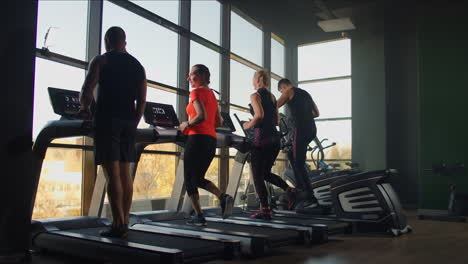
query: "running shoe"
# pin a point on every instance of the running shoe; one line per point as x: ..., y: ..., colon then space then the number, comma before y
x: 197, y: 220
x: 264, y: 214
x: 310, y: 203
x: 115, y: 232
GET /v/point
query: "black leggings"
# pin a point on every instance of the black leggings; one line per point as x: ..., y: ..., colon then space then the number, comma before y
x: 297, y: 156
x: 199, y: 152
x: 261, y: 162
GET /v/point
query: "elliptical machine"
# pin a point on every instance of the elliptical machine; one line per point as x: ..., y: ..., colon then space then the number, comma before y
x: 322, y: 168
x: 365, y: 200
x: 320, y: 178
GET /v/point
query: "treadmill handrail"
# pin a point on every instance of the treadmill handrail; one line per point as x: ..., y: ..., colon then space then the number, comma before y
x: 60, y: 129
x: 232, y: 140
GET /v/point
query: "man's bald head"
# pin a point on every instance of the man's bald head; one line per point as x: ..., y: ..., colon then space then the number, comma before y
x: 115, y: 39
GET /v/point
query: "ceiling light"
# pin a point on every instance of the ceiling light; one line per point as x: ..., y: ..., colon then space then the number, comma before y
x: 339, y: 24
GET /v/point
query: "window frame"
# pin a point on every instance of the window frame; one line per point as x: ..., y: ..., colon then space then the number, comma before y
x: 94, y: 37
x: 320, y: 80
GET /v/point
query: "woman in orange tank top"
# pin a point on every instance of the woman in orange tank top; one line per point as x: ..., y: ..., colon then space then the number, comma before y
x: 200, y: 146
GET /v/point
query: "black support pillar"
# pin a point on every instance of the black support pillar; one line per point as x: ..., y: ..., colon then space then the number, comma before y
x: 17, y: 55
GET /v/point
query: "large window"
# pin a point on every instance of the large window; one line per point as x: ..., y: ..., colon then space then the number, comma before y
x: 61, y: 28
x: 324, y: 60
x: 59, y: 192
x: 338, y: 132
x: 52, y: 74
x: 154, y: 178
x: 206, y: 18
x: 168, y: 9
x: 202, y: 55
x: 277, y: 56
x: 64, y: 25
x: 332, y: 97
x: 325, y: 72
x: 275, y: 92
x: 154, y: 46
x: 241, y: 83
x: 246, y: 39
x: 65, y: 185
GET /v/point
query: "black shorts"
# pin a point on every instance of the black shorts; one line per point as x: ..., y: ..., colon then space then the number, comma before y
x: 114, y: 140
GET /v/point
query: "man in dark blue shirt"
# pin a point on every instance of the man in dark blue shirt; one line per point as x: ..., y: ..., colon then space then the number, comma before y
x: 300, y: 111
x: 121, y: 82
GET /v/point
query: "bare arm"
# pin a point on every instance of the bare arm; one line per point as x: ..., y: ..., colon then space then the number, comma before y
x: 92, y: 77
x: 315, y: 110
x: 256, y: 102
x: 201, y: 113
x: 141, y: 98
x: 285, y: 97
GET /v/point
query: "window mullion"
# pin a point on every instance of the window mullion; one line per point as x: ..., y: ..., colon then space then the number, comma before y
x: 93, y: 47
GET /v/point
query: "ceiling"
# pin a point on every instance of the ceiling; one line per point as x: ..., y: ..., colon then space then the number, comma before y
x: 296, y: 20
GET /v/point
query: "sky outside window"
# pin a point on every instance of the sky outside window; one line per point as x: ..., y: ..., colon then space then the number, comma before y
x: 67, y: 21
x: 168, y: 9
x: 246, y: 39
x: 324, y: 60
x: 206, y: 20
x: 277, y: 57
x: 274, y: 88
x: 241, y: 83
x: 333, y: 98
x: 56, y: 75
x: 154, y: 46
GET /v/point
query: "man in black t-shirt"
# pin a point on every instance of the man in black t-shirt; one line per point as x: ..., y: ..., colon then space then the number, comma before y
x: 300, y: 111
x: 121, y: 82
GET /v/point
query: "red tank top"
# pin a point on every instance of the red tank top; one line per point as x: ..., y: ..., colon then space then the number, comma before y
x: 208, y: 99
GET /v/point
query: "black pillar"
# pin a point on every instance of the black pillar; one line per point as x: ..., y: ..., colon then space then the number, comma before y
x: 17, y: 55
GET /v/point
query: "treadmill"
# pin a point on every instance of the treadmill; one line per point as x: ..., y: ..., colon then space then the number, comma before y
x: 361, y: 202
x: 322, y: 228
x: 255, y: 238
x: 79, y: 236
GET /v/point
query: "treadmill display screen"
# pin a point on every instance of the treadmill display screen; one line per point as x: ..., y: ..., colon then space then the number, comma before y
x: 227, y: 122
x: 162, y: 115
x: 64, y: 102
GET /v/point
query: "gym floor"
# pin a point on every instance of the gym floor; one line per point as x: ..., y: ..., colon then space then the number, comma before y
x: 430, y: 242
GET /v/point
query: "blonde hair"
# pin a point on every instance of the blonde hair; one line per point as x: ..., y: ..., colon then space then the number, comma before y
x: 264, y: 77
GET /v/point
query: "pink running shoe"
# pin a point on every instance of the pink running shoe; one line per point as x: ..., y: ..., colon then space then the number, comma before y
x: 264, y: 214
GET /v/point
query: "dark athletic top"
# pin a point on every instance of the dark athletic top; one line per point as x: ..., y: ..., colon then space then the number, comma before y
x: 265, y: 130
x: 299, y: 111
x: 119, y: 80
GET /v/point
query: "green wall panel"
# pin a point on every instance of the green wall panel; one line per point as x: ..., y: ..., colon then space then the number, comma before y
x: 443, y: 76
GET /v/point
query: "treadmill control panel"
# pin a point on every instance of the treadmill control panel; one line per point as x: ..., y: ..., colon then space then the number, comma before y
x: 228, y: 125
x: 65, y: 103
x: 162, y: 115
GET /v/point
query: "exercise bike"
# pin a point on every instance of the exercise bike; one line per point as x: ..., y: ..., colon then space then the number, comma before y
x: 457, y: 202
